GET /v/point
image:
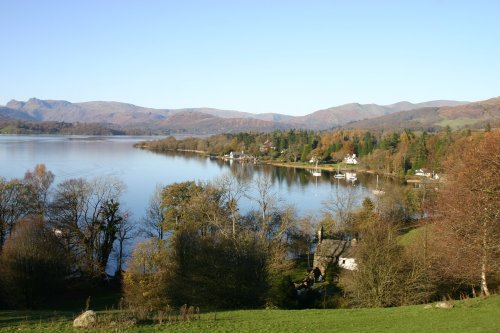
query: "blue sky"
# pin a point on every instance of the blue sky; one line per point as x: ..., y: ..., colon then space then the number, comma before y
x: 291, y: 57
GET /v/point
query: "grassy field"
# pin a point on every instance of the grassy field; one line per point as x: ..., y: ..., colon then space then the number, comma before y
x: 472, y: 315
x: 458, y: 122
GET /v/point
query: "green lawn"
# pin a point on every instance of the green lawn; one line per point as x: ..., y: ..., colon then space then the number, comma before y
x: 473, y: 315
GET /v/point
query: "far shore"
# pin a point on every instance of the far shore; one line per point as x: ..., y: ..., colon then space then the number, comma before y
x: 305, y: 165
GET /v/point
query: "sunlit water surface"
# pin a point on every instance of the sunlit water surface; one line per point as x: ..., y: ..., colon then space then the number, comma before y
x: 92, y: 156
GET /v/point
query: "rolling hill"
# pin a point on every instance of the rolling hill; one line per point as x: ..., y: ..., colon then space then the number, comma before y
x: 199, y: 120
x: 475, y: 115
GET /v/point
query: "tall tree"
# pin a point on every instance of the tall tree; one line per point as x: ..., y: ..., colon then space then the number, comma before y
x: 126, y: 232
x: 15, y: 203
x: 86, y: 215
x: 152, y: 225
x: 232, y: 189
x: 193, y: 206
x: 33, y: 263
x: 175, y: 199
x: 467, y: 235
x: 39, y: 181
x: 267, y: 201
x: 108, y: 224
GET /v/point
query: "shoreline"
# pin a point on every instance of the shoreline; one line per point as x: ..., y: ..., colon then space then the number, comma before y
x: 329, y: 167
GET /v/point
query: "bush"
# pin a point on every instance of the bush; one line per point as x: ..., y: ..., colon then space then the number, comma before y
x: 197, y: 270
x: 216, y: 271
x: 387, y: 274
x: 281, y: 292
x: 144, y: 283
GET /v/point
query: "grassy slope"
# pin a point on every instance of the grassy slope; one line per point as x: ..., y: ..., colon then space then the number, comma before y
x: 474, y: 315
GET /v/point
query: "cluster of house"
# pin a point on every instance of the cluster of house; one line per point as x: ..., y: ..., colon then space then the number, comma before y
x: 351, y: 159
x: 427, y: 173
x: 264, y: 148
x: 234, y: 155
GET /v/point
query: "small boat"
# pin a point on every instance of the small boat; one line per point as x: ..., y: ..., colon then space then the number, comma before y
x: 316, y: 172
x: 351, y: 176
x: 339, y: 175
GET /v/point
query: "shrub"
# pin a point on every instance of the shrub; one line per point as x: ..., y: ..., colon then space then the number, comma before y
x: 281, y: 292
x: 144, y: 281
x: 198, y: 270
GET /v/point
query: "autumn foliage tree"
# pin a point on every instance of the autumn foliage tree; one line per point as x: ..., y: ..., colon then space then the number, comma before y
x: 467, y: 230
x: 33, y: 264
x: 38, y: 182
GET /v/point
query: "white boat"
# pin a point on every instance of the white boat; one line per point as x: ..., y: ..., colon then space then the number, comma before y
x: 316, y: 172
x: 377, y: 191
x: 339, y: 175
x: 351, y: 176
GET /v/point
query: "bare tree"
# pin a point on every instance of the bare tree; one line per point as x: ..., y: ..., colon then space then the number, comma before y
x: 126, y: 231
x: 339, y: 208
x: 155, y: 215
x: 267, y: 200
x: 232, y: 189
x: 272, y: 223
x: 14, y: 205
x: 302, y: 237
x: 337, y: 224
x: 86, y: 214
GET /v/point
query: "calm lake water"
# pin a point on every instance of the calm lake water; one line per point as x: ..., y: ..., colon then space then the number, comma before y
x: 90, y: 156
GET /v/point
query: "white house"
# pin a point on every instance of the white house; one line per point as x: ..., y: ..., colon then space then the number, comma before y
x: 348, y: 263
x: 351, y: 159
x: 423, y: 173
x: 234, y: 154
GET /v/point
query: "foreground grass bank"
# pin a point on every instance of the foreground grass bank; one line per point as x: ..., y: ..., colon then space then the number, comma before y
x: 473, y: 315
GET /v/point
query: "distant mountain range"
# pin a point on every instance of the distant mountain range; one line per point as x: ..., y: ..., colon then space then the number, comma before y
x: 211, y: 121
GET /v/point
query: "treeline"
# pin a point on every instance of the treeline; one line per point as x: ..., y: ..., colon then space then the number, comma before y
x: 63, y: 128
x: 383, y: 151
x: 58, y: 242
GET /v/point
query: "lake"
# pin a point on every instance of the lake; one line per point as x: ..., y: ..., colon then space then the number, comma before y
x: 90, y: 156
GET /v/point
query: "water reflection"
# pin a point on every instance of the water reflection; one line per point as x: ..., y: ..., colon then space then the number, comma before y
x: 87, y: 156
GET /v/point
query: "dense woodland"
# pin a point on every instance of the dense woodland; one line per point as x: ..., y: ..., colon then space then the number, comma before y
x: 199, y: 249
